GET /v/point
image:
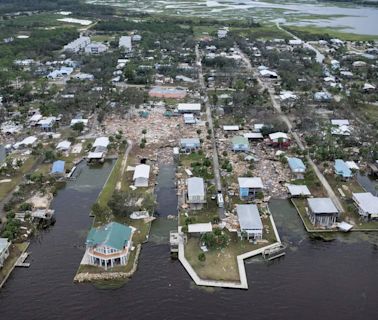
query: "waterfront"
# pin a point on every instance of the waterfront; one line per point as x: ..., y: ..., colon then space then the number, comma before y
x: 348, y: 18
x: 325, y: 279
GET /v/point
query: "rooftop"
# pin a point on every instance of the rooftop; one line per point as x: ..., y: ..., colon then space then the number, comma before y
x: 114, y: 235
x: 322, y: 205
x: 249, y: 217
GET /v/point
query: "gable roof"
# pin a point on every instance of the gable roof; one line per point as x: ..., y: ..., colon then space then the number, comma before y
x: 249, y: 217
x: 114, y: 235
x: 342, y: 169
x: 296, y: 164
x: 367, y: 202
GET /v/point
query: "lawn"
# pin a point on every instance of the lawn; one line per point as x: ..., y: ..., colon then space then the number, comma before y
x: 220, y: 264
x: 27, y: 166
x: 110, y: 184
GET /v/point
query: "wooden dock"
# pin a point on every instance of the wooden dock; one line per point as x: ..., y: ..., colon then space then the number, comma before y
x: 21, y: 260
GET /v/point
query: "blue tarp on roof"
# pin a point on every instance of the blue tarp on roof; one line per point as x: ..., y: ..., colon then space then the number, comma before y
x: 342, y: 169
x: 58, y: 167
x: 296, y: 165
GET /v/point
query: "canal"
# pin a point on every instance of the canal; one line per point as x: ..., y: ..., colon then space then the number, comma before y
x: 315, y: 280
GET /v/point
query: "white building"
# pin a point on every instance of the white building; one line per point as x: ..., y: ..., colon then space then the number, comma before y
x: 77, y: 45
x: 367, y: 204
x: 196, y: 190
x: 189, y: 107
x: 251, y: 226
x: 95, y: 48
x: 125, y: 42
x: 141, y: 175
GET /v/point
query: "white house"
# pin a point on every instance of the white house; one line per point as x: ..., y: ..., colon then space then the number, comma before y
x: 27, y: 142
x: 141, y: 175
x: 95, y: 48
x: 367, y: 204
x: 322, y: 212
x: 77, y: 45
x: 251, y: 226
x: 189, y: 107
x: 125, y: 42
x: 101, y: 142
x: 63, y: 145
x: 196, y: 191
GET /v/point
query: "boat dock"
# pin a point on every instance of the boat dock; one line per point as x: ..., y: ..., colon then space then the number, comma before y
x: 274, y: 252
x: 21, y: 260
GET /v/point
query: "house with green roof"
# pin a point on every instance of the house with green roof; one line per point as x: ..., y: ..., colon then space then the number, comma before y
x: 109, y: 245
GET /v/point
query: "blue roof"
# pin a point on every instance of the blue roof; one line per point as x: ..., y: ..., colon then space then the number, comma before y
x: 342, y: 169
x: 58, y: 167
x: 296, y: 164
x: 114, y: 235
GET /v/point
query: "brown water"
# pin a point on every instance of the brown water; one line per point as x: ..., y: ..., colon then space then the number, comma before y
x: 315, y: 280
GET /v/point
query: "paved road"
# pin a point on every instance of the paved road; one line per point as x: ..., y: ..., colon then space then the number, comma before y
x: 217, y: 177
x: 124, y: 163
x: 284, y: 118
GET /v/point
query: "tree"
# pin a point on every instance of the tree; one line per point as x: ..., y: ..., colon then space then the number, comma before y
x: 78, y: 126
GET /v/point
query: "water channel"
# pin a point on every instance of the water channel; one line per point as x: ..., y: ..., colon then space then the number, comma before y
x: 316, y: 279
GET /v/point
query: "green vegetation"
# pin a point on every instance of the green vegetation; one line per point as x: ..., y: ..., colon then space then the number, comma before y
x: 317, y: 33
x: 110, y: 184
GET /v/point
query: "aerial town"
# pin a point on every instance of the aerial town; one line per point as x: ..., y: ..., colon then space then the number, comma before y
x: 138, y: 127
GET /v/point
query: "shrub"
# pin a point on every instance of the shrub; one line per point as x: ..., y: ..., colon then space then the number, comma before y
x: 202, y: 257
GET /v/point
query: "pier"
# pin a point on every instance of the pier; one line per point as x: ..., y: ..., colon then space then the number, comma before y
x: 21, y: 260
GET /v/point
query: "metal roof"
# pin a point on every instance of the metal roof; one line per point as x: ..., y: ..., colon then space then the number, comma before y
x: 101, y: 141
x: 141, y: 171
x: 114, y: 235
x: 278, y: 135
x: 296, y: 165
x: 249, y: 217
x: 367, y: 202
x: 196, y: 186
x: 298, y: 190
x: 342, y: 169
x: 200, y: 227
x: 254, y: 182
x: 322, y: 205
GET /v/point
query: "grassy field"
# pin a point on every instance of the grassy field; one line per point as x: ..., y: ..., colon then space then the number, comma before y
x: 333, y: 32
x: 27, y: 166
x: 110, y: 184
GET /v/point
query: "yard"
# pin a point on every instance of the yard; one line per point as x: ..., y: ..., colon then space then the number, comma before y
x: 221, y: 264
